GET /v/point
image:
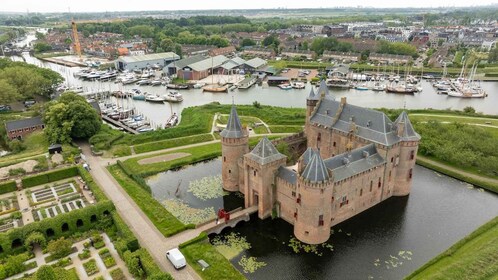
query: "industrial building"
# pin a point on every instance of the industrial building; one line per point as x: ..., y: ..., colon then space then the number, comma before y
x: 131, y: 63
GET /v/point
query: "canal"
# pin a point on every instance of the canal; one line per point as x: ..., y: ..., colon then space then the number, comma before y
x: 388, y: 241
x: 159, y: 113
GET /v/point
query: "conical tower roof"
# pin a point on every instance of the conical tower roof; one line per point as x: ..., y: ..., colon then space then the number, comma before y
x: 312, y: 95
x: 323, y: 90
x: 316, y: 170
x: 409, y: 133
x: 234, y: 128
x: 265, y: 152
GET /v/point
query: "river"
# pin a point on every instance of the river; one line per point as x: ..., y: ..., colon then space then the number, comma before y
x: 159, y: 113
x: 388, y: 241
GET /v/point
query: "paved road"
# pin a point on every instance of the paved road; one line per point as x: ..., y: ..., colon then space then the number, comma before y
x: 147, y: 234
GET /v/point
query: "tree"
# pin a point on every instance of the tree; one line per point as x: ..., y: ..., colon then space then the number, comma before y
x: 59, y: 248
x: 247, y: 42
x: 39, y: 36
x: 134, y: 264
x: 271, y: 40
x: 71, y: 116
x: 469, y: 110
x: 45, y: 272
x: 167, y: 45
x: 35, y: 238
x: 14, y: 264
x: 16, y: 146
x: 9, y: 92
x: 42, y: 47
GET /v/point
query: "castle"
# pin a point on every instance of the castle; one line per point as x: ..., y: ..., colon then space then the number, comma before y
x: 355, y: 159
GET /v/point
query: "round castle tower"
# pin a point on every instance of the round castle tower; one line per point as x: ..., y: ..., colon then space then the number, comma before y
x: 313, y: 212
x: 234, y: 144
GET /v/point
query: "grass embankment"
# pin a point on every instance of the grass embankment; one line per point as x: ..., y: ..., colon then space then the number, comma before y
x: 219, y: 266
x: 197, y: 154
x: 286, y: 128
x: 199, y: 120
x: 473, y: 257
x: 170, y: 143
x: 36, y: 143
x: 166, y: 223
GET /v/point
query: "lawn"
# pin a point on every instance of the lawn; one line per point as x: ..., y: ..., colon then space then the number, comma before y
x: 474, y: 257
x: 219, y: 266
x: 286, y: 128
x: 36, y: 143
x: 170, y: 143
x: 453, y: 118
x: 166, y: 223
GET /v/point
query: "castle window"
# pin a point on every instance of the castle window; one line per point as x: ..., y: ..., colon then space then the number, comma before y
x: 319, y: 137
x: 254, y: 172
x: 334, y: 144
x: 224, y: 159
x: 371, y: 184
x: 410, y: 173
x: 379, y: 184
x: 293, y: 194
x: 298, y: 200
x: 332, y: 200
x: 306, y: 232
x: 390, y: 175
x: 295, y: 215
x: 397, y: 161
x: 229, y: 171
x: 392, y: 159
x: 320, y: 220
x: 361, y: 192
x: 412, y: 154
x: 344, y: 201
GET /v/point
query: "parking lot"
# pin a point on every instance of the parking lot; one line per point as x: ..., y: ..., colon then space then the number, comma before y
x: 293, y: 73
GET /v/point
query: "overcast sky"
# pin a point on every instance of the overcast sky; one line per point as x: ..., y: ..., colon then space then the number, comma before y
x: 134, y: 5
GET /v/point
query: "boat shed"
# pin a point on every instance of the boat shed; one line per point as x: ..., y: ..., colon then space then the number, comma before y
x: 255, y: 64
x: 277, y: 80
x: 175, y: 66
x: 131, y: 63
x: 201, y: 69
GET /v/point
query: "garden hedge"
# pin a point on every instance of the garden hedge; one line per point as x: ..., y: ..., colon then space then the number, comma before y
x: 96, y: 190
x: 137, y: 178
x: 99, y: 212
x: 48, y: 177
x: 202, y: 236
x: 7, y: 187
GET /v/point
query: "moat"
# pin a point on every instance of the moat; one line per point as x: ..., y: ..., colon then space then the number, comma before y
x: 387, y: 241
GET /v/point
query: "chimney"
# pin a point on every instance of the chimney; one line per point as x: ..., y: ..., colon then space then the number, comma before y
x: 343, y: 101
x: 400, y: 129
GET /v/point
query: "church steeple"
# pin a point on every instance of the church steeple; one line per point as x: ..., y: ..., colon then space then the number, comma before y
x: 234, y: 128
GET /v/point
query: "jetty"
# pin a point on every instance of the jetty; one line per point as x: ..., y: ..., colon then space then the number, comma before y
x: 64, y: 62
x: 119, y: 124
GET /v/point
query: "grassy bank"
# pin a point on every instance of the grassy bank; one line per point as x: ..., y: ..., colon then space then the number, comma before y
x: 166, y: 223
x: 219, y: 266
x: 457, y: 175
x: 473, y: 257
x: 170, y: 143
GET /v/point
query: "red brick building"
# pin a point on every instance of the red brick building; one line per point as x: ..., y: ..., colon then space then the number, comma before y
x: 18, y: 129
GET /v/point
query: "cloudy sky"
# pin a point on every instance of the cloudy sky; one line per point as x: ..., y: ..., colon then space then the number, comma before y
x: 131, y: 5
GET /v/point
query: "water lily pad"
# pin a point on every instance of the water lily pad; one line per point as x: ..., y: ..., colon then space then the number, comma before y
x: 250, y: 265
x: 231, y: 245
x: 207, y: 188
x: 187, y: 214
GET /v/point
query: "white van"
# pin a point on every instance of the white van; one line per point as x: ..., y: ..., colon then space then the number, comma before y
x: 176, y: 258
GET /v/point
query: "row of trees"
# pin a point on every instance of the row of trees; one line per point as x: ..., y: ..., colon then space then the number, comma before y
x: 319, y: 45
x: 21, y: 81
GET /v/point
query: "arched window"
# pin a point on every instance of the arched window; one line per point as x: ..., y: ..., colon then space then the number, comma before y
x: 106, y: 213
x: 93, y: 218
x: 79, y: 223
x: 50, y: 232
x: 1, y: 249
x: 16, y: 243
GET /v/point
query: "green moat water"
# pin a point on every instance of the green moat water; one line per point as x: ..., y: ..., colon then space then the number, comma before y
x: 388, y: 241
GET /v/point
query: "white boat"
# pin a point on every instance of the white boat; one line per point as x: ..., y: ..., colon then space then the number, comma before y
x: 154, y: 98
x: 198, y: 85
x: 155, y: 83
x: 298, y: 85
x: 143, y: 83
x: 378, y: 87
x: 285, y: 86
x: 173, y: 96
x: 172, y: 121
x: 145, y: 129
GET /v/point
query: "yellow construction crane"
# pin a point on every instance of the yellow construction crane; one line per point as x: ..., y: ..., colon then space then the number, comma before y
x: 77, y: 46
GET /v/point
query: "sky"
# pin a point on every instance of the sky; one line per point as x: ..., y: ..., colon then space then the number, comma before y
x: 134, y: 5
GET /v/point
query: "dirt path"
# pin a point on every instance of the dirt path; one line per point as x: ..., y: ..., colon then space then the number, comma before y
x: 457, y: 170
x: 163, y: 158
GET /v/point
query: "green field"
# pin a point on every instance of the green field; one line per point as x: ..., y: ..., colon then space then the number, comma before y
x: 171, y: 143
x: 474, y: 257
x: 35, y: 143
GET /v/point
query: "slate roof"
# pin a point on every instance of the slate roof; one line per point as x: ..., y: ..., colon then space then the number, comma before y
x: 323, y: 90
x: 256, y: 62
x: 182, y: 63
x: 149, y: 57
x: 409, y: 134
x: 238, y: 60
x: 287, y: 174
x: 229, y: 65
x: 265, y: 152
x: 349, y: 164
x: 25, y: 123
x: 208, y: 63
x: 315, y: 170
x: 306, y: 156
x: 372, y: 125
x: 234, y: 128
x: 312, y: 95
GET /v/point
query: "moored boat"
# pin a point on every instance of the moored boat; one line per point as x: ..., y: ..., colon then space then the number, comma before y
x: 285, y: 86
x: 154, y: 98
x: 173, y: 96
x: 215, y: 88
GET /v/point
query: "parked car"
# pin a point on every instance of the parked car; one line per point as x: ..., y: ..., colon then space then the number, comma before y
x: 176, y: 258
x: 29, y: 103
x: 5, y: 108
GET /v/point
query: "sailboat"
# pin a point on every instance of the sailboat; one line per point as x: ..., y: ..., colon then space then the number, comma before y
x: 214, y: 87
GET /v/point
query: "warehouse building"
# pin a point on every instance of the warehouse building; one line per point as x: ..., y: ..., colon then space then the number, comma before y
x: 131, y: 63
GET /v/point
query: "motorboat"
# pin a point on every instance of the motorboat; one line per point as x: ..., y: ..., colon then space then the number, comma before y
x: 145, y: 128
x: 154, y: 98
x: 143, y: 82
x: 172, y: 121
x: 378, y: 87
x: 173, y: 96
x: 198, y: 85
x: 285, y: 86
x: 177, y: 86
x: 155, y: 83
x: 361, y: 87
x: 298, y: 85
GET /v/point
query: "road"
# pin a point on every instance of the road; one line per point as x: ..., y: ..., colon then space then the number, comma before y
x: 145, y: 231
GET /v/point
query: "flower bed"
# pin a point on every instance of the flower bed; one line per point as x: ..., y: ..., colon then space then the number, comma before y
x: 91, y: 267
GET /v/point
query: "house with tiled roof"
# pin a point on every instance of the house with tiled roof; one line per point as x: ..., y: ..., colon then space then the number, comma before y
x: 355, y: 159
x: 19, y: 128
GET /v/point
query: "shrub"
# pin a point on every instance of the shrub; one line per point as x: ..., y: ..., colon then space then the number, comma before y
x: 85, y: 254
x: 59, y: 248
x: 109, y: 261
x: 17, y: 171
x: 7, y: 187
x: 35, y: 238
x: 134, y: 265
x: 91, y: 267
x: 117, y: 274
x: 48, y: 177
x: 45, y: 272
